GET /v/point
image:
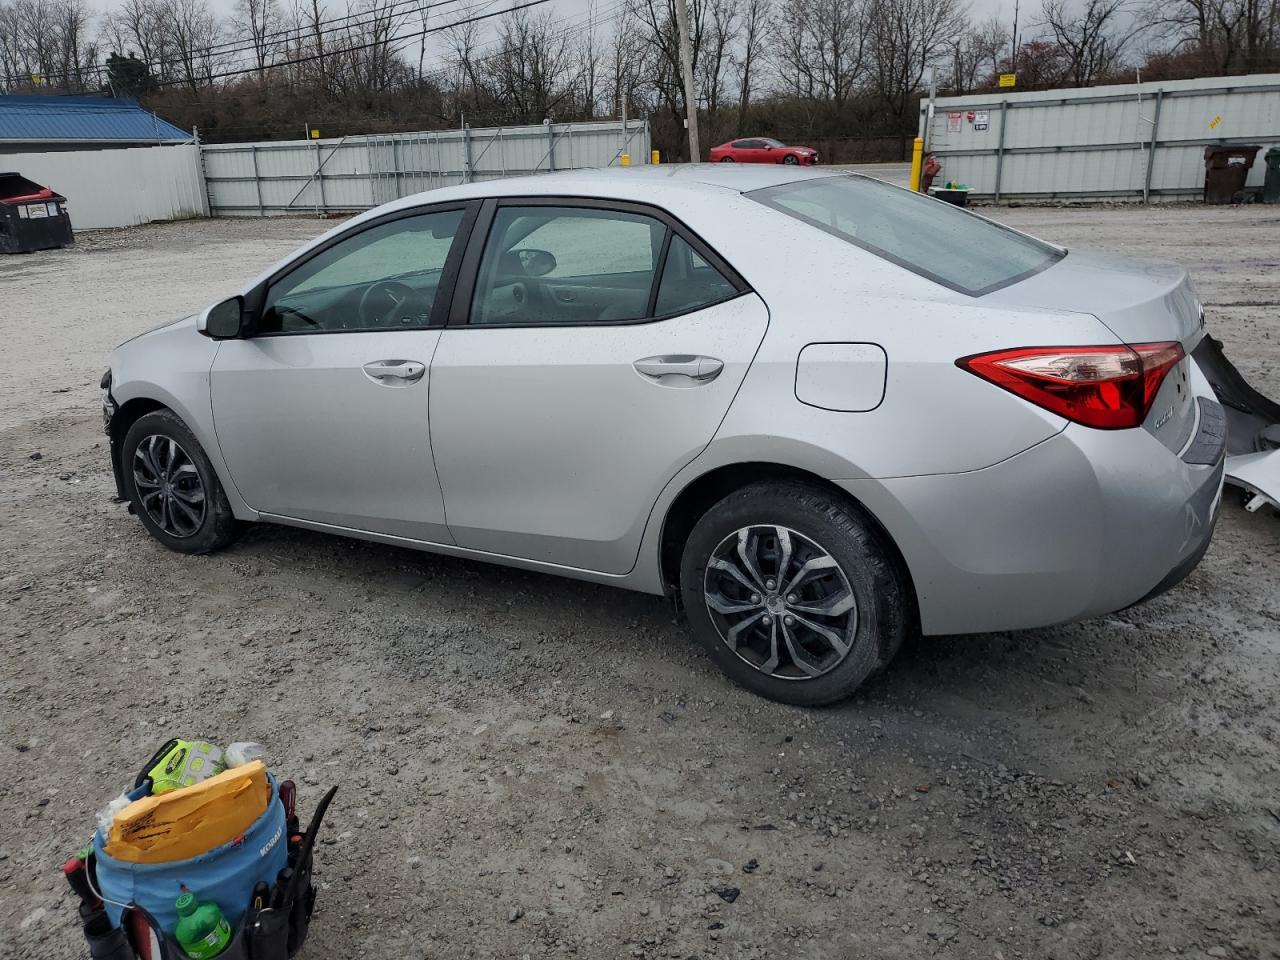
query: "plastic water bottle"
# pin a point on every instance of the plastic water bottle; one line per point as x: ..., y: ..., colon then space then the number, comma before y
x: 242, y: 752
x: 202, y: 930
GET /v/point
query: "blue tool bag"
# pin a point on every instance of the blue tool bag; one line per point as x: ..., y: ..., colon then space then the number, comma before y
x: 226, y: 875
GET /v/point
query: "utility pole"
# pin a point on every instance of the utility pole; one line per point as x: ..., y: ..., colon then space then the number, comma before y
x: 1013, y: 56
x: 686, y: 67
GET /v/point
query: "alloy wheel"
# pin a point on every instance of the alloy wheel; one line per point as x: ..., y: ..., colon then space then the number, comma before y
x: 780, y: 602
x: 169, y: 486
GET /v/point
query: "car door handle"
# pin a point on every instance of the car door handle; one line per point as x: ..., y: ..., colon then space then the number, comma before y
x: 702, y: 369
x: 404, y: 370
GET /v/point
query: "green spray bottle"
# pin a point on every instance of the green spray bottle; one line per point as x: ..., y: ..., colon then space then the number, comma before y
x: 202, y: 930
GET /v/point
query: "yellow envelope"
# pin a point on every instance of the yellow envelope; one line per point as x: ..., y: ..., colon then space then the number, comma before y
x: 192, y: 820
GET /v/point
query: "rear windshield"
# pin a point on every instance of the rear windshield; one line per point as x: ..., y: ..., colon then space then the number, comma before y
x: 934, y: 239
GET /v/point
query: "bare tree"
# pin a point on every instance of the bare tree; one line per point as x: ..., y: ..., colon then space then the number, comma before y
x: 907, y: 37
x: 257, y: 23
x: 974, y: 56
x: 823, y: 49
x: 533, y: 68
x: 1092, y: 38
x: 47, y: 44
x: 589, y: 56
x: 1225, y: 36
x: 720, y: 35
x: 755, y: 18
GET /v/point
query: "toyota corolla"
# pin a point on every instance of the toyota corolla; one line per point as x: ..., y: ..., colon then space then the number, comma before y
x: 820, y: 411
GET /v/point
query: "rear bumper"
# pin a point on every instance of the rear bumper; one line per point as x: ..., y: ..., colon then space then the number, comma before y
x: 1086, y: 523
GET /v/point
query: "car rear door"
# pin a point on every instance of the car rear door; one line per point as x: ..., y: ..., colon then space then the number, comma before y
x: 556, y: 422
x: 322, y: 412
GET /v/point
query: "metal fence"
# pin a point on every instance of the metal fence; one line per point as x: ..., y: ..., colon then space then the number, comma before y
x: 356, y: 173
x: 1131, y: 140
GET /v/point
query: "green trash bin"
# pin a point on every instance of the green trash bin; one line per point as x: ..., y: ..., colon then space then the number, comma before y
x: 1271, y: 185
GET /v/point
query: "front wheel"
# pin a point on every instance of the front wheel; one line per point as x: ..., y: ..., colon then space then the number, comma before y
x: 791, y: 159
x: 172, y: 485
x: 793, y: 592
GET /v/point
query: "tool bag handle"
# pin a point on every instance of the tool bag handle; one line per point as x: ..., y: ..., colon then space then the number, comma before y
x: 144, y: 775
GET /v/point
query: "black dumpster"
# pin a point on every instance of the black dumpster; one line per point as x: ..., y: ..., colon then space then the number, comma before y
x: 1225, y: 170
x: 32, y: 217
x: 1271, y: 186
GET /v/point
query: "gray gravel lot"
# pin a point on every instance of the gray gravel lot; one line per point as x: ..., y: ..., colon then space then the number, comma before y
x: 532, y: 767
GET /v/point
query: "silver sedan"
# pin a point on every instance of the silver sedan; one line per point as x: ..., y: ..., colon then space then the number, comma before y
x: 820, y: 412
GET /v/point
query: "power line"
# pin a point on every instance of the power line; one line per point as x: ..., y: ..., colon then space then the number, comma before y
x: 233, y: 48
x: 210, y: 77
x: 592, y: 20
x: 309, y: 31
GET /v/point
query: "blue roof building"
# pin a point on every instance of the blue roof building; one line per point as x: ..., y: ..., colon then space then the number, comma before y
x: 35, y: 123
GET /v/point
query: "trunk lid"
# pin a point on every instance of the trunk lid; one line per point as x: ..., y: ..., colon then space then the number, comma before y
x: 1140, y: 301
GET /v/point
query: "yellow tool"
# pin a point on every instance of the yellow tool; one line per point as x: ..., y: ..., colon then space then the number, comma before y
x: 192, y: 820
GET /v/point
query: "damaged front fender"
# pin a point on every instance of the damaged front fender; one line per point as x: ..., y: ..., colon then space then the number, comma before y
x: 1253, y: 427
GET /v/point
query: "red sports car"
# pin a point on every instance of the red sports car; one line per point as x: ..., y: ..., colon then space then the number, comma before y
x: 761, y: 150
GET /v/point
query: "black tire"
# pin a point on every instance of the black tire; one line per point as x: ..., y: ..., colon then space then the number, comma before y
x: 726, y: 159
x: 826, y: 523
x: 197, y: 517
x: 790, y: 158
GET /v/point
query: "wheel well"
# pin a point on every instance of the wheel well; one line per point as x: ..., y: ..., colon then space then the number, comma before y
x: 131, y: 413
x: 124, y: 418
x: 712, y: 487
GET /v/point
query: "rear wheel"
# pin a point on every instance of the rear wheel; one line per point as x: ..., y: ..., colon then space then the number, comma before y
x: 726, y: 159
x: 793, y: 593
x: 172, y: 486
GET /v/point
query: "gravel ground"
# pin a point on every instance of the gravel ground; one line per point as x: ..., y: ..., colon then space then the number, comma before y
x: 532, y: 767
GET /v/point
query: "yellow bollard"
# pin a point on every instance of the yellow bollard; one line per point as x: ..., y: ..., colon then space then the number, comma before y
x: 654, y: 157
x: 625, y: 159
x: 917, y: 157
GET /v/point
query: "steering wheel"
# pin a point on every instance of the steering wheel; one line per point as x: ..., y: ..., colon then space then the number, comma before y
x: 382, y: 301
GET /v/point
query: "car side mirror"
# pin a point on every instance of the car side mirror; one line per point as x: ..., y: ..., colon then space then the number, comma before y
x: 536, y: 263
x: 222, y: 321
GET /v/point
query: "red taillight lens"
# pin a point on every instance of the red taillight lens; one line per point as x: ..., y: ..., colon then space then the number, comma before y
x: 1111, y: 388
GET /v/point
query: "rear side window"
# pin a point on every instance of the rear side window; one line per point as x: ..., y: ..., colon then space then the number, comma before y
x: 545, y: 264
x: 935, y: 240
x: 689, y: 282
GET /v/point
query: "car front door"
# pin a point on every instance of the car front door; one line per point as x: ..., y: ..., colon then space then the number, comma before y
x: 592, y: 351
x: 321, y: 411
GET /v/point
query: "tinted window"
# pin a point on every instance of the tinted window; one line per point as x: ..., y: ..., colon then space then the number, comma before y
x: 381, y: 278
x: 743, y: 144
x: 934, y: 239
x: 545, y: 264
x: 689, y: 282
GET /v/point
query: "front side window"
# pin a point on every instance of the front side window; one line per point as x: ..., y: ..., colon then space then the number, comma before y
x: 547, y: 264
x: 936, y: 240
x: 381, y: 278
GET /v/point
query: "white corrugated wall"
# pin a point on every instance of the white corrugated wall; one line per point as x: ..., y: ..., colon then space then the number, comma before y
x: 122, y: 187
x: 1096, y: 141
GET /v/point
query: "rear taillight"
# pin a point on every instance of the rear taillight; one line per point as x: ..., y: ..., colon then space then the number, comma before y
x: 1110, y: 388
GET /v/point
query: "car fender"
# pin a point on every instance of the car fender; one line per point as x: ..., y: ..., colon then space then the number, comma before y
x: 170, y: 366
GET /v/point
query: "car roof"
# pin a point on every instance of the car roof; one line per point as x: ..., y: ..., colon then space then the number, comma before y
x: 650, y: 182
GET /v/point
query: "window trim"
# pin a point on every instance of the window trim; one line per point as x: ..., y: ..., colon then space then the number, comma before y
x: 765, y: 196
x: 469, y: 273
x: 255, y: 300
